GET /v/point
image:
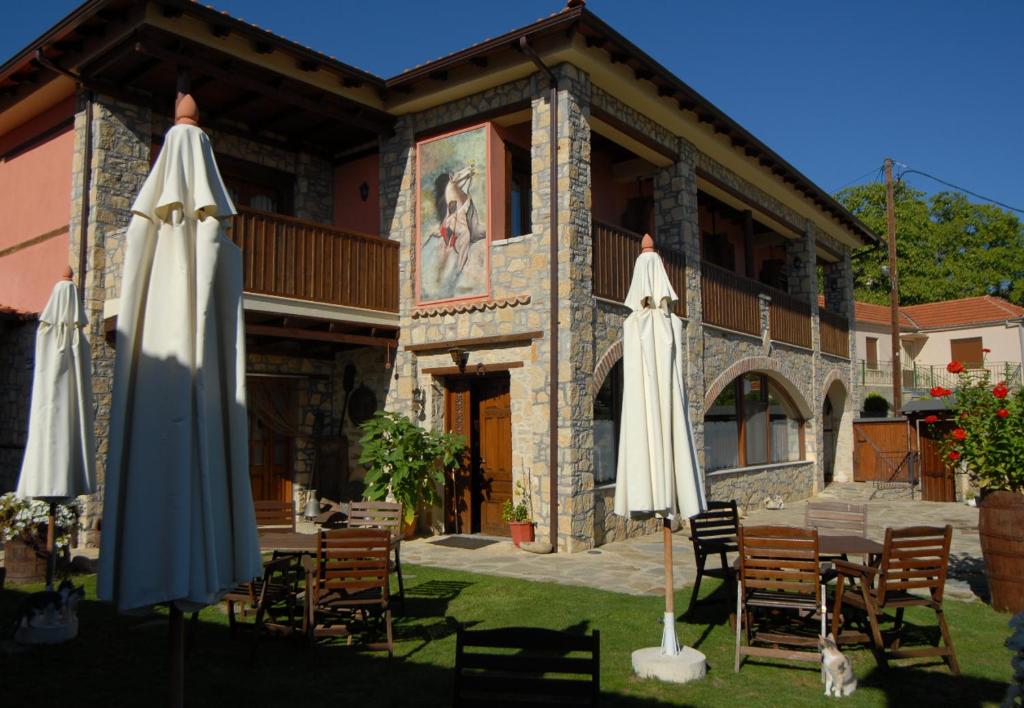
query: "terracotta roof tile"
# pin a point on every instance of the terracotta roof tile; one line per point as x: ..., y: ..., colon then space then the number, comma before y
x: 948, y: 313
x: 17, y: 314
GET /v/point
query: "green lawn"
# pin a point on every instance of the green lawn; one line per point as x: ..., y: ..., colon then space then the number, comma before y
x: 121, y: 661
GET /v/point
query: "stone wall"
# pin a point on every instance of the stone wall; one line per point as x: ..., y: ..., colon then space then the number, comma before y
x: 17, y: 357
x: 121, y: 142
x: 749, y: 487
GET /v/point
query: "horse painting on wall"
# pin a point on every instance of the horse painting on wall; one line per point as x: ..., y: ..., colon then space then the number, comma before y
x: 453, y: 233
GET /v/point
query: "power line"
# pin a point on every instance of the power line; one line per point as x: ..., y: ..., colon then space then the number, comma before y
x: 873, y: 171
x: 911, y: 171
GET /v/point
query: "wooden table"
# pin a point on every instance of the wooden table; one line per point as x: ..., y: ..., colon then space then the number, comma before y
x: 829, y: 545
x: 290, y: 541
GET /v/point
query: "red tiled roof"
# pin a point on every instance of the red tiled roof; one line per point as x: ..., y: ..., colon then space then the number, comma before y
x: 965, y: 311
x: 937, y: 315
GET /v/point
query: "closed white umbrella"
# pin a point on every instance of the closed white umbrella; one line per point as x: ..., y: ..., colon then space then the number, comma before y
x: 59, y: 462
x: 658, y: 472
x: 178, y: 519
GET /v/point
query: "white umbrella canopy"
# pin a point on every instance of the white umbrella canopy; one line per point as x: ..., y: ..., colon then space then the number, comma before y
x: 178, y: 519
x: 657, y: 472
x: 59, y: 460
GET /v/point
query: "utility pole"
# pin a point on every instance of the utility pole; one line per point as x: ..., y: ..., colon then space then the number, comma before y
x: 894, y: 290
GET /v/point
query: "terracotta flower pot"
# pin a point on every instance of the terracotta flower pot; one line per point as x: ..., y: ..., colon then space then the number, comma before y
x: 522, y: 531
x: 24, y: 562
x: 1001, y: 529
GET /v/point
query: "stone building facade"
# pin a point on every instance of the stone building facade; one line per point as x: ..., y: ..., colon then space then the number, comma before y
x: 609, y: 101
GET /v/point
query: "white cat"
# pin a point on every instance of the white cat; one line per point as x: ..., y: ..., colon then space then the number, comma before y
x: 836, y: 671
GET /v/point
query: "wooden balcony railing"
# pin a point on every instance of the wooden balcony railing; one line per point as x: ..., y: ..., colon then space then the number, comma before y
x: 835, y: 333
x: 789, y: 318
x: 301, y: 259
x: 616, y: 250
x: 730, y: 300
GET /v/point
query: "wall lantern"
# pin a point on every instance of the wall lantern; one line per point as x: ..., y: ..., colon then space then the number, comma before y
x: 364, y: 191
x: 459, y: 357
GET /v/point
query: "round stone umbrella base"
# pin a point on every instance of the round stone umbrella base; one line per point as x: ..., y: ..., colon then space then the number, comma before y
x: 688, y: 665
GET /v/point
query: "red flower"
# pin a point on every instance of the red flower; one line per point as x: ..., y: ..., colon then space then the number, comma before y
x: 959, y: 434
x: 954, y: 455
x: 986, y: 350
x: 954, y: 367
x: 1000, y: 390
x: 1003, y: 413
x: 939, y: 392
x: 931, y: 419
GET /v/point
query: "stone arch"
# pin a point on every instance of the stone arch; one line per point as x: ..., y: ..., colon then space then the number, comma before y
x: 837, y: 392
x: 610, y: 358
x: 765, y: 365
x: 833, y: 376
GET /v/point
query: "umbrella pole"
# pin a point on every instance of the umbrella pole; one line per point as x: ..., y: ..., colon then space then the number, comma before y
x: 669, y: 641
x: 176, y: 694
x: 51, y: 545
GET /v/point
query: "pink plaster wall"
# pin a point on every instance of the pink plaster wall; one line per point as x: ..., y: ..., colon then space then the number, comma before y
x: 350, y: 211
x: 35, y: 198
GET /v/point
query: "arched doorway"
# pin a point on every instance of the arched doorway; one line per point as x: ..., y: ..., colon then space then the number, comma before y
x: 836, y: 433
x: 828, y: 440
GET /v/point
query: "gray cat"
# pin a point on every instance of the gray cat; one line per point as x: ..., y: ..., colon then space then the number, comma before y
x: 836, y: 671
x: 50, y: 606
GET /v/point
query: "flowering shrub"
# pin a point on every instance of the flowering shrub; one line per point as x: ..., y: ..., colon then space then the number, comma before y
x: 26, y: 519
x: 988, y: 437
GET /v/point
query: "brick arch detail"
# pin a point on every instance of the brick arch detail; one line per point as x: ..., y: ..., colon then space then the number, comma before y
x: 762, y: 364
x: 610, y: 358
x: 833, y: 376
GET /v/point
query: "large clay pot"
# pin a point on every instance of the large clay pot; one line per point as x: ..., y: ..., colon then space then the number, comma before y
x: 1001, y: 528
x: 522, y: 532
x: 24, y: 563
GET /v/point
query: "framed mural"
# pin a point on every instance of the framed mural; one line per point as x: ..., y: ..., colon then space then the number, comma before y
x: 454, y: 216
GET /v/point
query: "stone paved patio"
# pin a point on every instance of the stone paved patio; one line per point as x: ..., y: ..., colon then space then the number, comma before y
x: 635, y: 566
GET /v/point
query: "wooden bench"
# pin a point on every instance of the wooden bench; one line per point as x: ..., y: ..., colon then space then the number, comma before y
x: 526, y: 666
x: 275, y: 516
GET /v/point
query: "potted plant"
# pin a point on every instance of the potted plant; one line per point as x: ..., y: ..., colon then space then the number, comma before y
x: 406, y: 463
x: 23, y: 527
x: 988, y: 443
x: 876, y: 406
x: 518, y: 516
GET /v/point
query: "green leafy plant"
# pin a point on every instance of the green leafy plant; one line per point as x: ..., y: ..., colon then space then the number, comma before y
x: 26, y: 520
x: 876, y: 405
x: 406, y: 463
x: 519, y: 511
x: 988, y: 437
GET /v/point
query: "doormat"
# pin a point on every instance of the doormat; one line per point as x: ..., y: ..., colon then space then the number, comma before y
x: 470, y: 543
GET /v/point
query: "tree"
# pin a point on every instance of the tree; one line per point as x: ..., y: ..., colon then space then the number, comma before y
x: 947, y: 246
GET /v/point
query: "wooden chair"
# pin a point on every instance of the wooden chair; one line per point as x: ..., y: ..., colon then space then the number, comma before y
x: 836, y: 518
x: 779, y: 576
x: 382, y: 515
x: 713, y: 532
x: 274, y: 596
x: 275, y: 516
x: 526, y: 666
x: 914, y: 558
x: 348, y: 582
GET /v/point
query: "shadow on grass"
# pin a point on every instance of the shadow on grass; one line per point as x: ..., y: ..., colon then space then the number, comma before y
x: 899, y: 681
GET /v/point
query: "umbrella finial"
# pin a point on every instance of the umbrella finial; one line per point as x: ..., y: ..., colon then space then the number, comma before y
x: 68, y: 273
x: 647, y: 244
x: 186, y: 112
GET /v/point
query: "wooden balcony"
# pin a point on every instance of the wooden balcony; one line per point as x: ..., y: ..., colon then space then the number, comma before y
x: 835, y: 333
x: 730, y: 300
x: 303, y: 260
x: 616, y: 250
x: 789, y: 318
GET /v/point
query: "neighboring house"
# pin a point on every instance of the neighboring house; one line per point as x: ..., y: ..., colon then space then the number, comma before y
x: 983, y: 332
x: 397, y: 241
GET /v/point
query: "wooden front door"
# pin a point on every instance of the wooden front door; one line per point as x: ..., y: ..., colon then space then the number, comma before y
x: 882, y: 451
x: 937, y: 481
x: 479, y: 408
x: 269, y: 462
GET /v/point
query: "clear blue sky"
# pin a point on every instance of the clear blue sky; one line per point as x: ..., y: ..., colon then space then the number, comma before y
x: 832, y: 87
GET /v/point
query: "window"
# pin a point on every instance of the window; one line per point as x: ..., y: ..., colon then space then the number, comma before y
x: 967, y: 351
x: 752, y: 422
x: 518, y: 162
x: 607, y: 416
x: 871, y: 353
x: 256, y: 186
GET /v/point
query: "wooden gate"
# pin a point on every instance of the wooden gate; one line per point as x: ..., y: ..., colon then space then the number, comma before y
x: 883, y: 451
x: 937, y: 481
